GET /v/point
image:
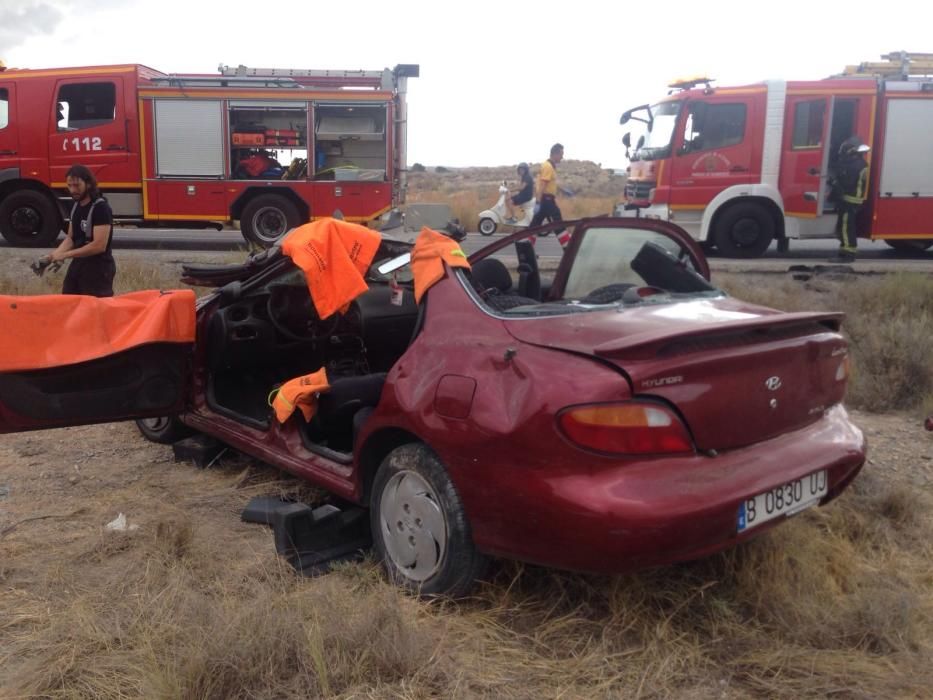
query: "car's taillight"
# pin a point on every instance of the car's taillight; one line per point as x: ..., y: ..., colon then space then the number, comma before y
x: 634, y: 428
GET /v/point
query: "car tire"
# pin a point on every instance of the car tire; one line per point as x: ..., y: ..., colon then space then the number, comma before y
x: 909, y: 245
x: 163, y: 429
x: 744, y: 230
x: 419, y: 527
x: 268, y: 217
x: 29, y: 219
x: 487, y: 226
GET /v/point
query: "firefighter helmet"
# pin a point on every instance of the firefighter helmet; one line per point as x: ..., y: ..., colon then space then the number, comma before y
x: 853, y: 144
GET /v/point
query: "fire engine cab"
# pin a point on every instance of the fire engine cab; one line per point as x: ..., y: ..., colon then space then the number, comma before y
x: 739, y: 167
x: 271, y: 148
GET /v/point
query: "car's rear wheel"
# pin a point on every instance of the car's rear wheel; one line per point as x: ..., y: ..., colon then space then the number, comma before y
x: 487, y: 226
x: 267, y: 218
x: 420, y: 529
x: 744, y: 230
x: 29, y: 219
x: 163, y: 429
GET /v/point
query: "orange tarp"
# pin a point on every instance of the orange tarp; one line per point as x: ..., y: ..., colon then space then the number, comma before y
x: 300, y: 393
x: 55, y: 330
x: 334, y: 256
x: 431, y: 251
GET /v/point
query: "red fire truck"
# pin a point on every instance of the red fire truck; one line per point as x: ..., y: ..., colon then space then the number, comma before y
x: 738, y: 167
x: 271, y: 148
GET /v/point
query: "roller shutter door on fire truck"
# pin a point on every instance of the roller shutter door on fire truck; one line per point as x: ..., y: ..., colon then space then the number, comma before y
x: 189, y: 138
x: 907, y: 170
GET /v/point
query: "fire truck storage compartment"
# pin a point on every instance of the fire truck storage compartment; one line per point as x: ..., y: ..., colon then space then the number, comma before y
x: 350, y: 142
x: 272, y: 129
x: 189, y: 138
x: 908, y: 150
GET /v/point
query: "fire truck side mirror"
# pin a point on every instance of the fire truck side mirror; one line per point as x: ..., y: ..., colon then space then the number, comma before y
x: 627, y: 139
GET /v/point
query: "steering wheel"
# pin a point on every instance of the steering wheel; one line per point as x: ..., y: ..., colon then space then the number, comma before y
x: 607, y: 294
x: 279, y: 305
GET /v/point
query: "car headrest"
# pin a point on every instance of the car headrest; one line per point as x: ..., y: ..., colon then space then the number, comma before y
x: 490, y: 273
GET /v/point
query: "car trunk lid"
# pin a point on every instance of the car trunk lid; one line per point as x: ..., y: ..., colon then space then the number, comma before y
x: 738, y: 374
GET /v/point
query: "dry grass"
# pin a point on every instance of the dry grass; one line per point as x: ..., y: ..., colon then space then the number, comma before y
x: 135, y: 271
x: 836, y: 603
x: 889, y: 324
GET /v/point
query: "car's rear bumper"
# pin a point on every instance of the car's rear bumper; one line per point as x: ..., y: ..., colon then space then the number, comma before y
x: 613, y: 517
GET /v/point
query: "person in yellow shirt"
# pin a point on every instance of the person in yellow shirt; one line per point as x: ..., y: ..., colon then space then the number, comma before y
x: 546, y: 192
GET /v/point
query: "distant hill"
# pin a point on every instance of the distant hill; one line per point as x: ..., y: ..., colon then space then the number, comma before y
x: 582, y: 177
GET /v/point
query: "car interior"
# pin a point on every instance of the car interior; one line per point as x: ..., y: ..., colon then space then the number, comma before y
x: 266, y: 331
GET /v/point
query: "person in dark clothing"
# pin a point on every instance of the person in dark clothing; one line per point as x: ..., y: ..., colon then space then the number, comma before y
x: 525, y: 194
x: 850, y: 189
x: 547, y: 193
x: 88, y: 240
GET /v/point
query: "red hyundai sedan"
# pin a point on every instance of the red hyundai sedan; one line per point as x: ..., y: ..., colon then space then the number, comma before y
x: 621, y: 412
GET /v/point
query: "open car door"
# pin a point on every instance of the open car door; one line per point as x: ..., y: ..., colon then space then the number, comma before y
x: 73, y: 360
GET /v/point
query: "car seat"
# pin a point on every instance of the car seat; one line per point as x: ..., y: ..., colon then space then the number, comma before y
x: 494, y: 283
x: 337, y: 407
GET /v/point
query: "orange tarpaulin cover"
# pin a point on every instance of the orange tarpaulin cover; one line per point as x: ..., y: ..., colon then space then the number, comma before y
x: 300, y: 393
x: 431, y: 251
x: 334, y: 256
x: 54, y: 330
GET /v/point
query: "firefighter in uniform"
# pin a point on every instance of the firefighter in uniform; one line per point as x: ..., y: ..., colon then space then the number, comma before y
x: 88, y: 240
x: 850, y: 187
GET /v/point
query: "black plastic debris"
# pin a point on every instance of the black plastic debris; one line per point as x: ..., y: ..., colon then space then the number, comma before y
x: 200, y: 449
x: 312, y: 539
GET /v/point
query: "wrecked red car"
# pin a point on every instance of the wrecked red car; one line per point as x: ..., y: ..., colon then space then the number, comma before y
x: 619, y: 412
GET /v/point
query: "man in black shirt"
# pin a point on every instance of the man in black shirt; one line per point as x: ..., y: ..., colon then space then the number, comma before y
x: 89, y: 238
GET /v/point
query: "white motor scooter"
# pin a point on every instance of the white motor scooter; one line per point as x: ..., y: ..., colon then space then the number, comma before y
x: 491, y: 219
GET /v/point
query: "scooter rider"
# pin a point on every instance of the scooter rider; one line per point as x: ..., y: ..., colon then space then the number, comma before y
x: 525, y: 194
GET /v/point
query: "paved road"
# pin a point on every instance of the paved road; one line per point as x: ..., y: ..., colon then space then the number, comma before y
x: 874, y: 252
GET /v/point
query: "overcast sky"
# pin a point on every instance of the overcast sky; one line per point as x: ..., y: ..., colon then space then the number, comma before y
x: 500, y: 82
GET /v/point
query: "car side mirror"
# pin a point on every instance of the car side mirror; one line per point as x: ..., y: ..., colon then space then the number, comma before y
x: 394, y: 264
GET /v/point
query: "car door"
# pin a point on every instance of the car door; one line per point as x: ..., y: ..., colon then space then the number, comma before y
x: 74, y: 360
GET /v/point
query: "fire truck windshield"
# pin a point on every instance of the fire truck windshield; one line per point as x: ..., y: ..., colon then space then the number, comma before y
x: 660, y: 132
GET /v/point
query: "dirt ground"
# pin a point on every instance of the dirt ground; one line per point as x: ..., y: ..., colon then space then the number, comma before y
x: 154, y: 610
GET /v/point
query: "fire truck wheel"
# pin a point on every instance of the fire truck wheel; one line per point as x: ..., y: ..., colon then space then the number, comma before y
x: 29, y: 219
x: 744, y: 230
x: 267, y: 218
x: 909, y: 245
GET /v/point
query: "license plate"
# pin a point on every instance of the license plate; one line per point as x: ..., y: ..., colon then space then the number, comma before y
x: 787, y: 499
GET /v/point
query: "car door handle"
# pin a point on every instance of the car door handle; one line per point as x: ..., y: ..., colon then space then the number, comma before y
x: 738, y: 169
x: 116, y: 147
x: 813, y: 171
x: 7, y: 153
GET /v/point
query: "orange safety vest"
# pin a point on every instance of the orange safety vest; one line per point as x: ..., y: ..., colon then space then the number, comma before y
x: 300, y: 393
x: 431, y: 251
x: 335, y: 256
